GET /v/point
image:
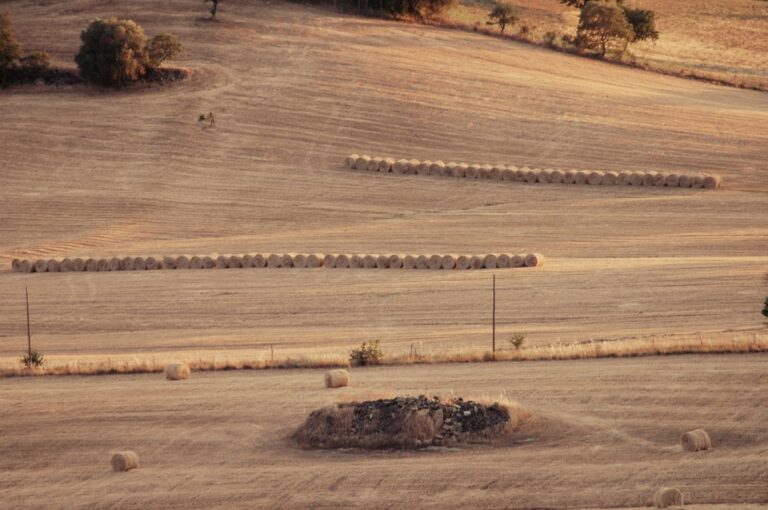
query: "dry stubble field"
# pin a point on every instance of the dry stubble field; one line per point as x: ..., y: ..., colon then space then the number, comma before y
x: 294, y: 90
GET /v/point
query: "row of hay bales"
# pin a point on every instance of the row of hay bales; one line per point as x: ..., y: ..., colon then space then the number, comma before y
x: 531, y: 175
x: 312, y: 260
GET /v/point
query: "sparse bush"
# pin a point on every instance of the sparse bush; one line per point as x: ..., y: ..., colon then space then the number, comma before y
x: 32, y: 359
x: 502, y: 15
x: 366, y: 354
x: 10, y: 51
x: 517, y: 340
x: 524, y: 30
x: 602, y: 23
x: 566, y: 40
x: 37, y: 61
x: 115, y: 52
x: 550, y: 38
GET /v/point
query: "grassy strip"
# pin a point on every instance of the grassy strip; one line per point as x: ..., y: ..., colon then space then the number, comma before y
x: 573, y: 351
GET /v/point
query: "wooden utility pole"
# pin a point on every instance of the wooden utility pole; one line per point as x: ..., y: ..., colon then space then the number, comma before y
x: 29, y: 334
x: 493, y: 337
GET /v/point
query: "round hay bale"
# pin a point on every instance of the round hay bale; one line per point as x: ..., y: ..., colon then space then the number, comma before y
x: 274, y: 260
x: 241, y: 261
x: 247, y: 260
x: 667, y: 497
x: 373, y: 164
x: 259, y: 260
x: 395, y: 261
x: 685, y: 181
x: 196, y: 262
x: 287, y: 260
x: 609, y: 179
x: 102, y: 265
x: 385, y: 165
x: 382, y: 262
x: 400, y: 166
x: 595, y: 178
x: 342, y: 261
x: 234, y: 262
x: 517, y: 260
x: 569, y: 177
x: 422, y: 262
x: 127, y: 264
x: 41, y: 266
x: 329, y: 261
x: 463, y: 262
x: 623, y: 178
x: 545, y: 176
x: 356, y: 261
x: 649, y: 178
x: 697, y: 181
x: 672, y: 181
x: 53, y: 266
x: 350, y: 161
x: 489, y: 261
x: 695, y: 440
x: 659, y: 179
x: 494, y: 173
x: 209, y: 262
x: 580, y: 177
x: 300, y: 260
x: 91, y: 265
x: 314, y: 260
x: 556, y: 176
x: 503, y: 261
x: 124, y: 461
x: 176, y: 371
x: 67, y: 266
x: 508, y: 173
x: 534, y: 260
x: 520, y: 174
x: 222, y: 262
x: 423, y: 168
x: 362, y: 162
x: 448, y: 261
x: 139, y: 264
x: 532, y: 176
x: 409, y: 262
x: 435, y: 262
x: 460, y: 170
x: 476, y: 262
x: 485, y: 172
x: 369, y: 262
x: 168, y: 263
x: 25, y: 266
x: 15, y: 264
x: 413, y: 166
x: 712, y: 182
x: 636, y: 179
x: 436, y: 168
x: 114, y: 264
x: 336, y: 378
x: 151, y: 263
x: 473, y: 171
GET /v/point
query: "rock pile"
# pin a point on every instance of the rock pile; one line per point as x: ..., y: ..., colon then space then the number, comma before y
x: 403, y: 422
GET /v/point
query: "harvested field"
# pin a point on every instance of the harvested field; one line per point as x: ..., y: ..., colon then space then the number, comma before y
x: 606, y: 437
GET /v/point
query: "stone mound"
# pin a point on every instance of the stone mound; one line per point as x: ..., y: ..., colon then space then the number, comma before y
x: 404, y: 422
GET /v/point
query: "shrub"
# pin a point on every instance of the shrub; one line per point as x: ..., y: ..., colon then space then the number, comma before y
x: 115, y: 52
x: 502, y: 15
x: 602, y: 23
x: 32, y: 359
x: 366, y: 354
x: 10, y: 51
x: 517, y: 340
x: 549, y: 39
x: 765, y: 307
x: 643, y: 23
x: 37, y: 61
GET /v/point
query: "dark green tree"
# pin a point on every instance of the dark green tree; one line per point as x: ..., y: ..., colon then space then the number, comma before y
x: 502, y: 14
x: 10, y: 51
x: 643, y: 23
x: 214, y: 6
x: 113, y: 53
x: 602, y: 23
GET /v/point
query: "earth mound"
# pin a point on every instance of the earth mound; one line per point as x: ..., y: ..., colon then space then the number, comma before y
x: 404, y: 422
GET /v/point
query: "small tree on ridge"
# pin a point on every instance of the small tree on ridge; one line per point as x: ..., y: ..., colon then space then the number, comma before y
x: 502, y: 15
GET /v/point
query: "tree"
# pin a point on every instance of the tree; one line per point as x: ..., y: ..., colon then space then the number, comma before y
x: 10, y: 51
x: 214, y: 6
x: 502, y: 15
x: 113, y: 53
x: 602, y: 23
x: 161, y: 48
x: 643, y: 24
